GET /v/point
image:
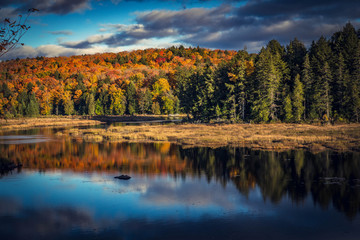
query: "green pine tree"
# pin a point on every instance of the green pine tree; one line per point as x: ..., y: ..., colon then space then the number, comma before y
x: 320, y: 98
x: 69, y: 107
x: 288, y: 109
x: 90, y: 104
x: 354, y: 87
x: 32, y: 108
x: 306, y: 78
x: 130, y: 98
x: 294, y: 57
x: 267, y: 82
x: 298, y: 99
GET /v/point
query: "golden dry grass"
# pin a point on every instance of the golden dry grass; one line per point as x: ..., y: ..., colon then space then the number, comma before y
x: 259, y: 136
x: 28, y: 123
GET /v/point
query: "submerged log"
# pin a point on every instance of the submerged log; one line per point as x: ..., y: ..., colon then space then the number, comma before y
x: 123, y: 177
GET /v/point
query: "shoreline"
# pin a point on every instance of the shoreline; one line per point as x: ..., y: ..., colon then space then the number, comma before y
x: 26, y: 123
x: 274, y: 136
x: 257, y: 136
x: 45, y: 122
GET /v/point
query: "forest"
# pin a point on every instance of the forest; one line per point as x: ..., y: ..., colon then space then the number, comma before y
x: 289, y: 83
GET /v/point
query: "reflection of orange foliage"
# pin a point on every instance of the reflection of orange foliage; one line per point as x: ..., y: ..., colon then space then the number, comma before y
x: 165, y: 148
x: 143, y: 159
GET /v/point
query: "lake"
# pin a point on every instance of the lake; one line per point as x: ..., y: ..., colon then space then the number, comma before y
x: 66, y: 190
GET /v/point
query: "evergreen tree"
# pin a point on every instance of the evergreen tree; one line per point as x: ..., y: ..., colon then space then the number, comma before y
x: 298, y: 99
x: 235, y: 85
x: 345, y: 42
x: 320, y: 89
x: 267, y: 82
x: 288, y: 109
x: 184, y: 89
x: 69, y: 107
x: 294, y: 57
x: 176, y: 104
x: 218, y: 111
x: 262, y: 101
x: 130, y: 98
x: 22, y: 103
x: 99, y: 110
x: 32, y: 108
x: 322, y: 99
x: 209, y: 94
x: 167, y: 103
x: 275, y: 48
x: 203, y: 107
x: 155, y: 108
x: 340, y: 83
x: 145, y: 101
x: 5, y: 90
x: 306, y: 77
x: 354, y: 88
x: 90, y: 104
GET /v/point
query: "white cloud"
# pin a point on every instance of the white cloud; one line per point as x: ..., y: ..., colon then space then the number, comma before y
x: 48, y: 51
x: 58, y: 50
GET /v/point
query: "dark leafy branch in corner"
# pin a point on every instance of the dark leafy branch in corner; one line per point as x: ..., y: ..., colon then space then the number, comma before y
x: 12, y: 31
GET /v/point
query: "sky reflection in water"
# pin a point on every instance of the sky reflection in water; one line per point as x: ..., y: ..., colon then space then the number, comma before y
x: 67, y: 190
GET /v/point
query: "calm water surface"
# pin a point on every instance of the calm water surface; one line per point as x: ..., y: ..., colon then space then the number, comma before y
x: 66, y: 190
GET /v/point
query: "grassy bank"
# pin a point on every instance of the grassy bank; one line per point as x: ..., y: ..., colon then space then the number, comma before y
x: 53, y: 121
x: 69, y: 121
x: 258, y: 136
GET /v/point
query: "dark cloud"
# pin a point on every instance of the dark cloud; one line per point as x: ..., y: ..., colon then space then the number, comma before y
x: 303, y: 9
x: 60, y: 7
x: 96, y: 39
x: 232, y: 26
x: 125, y: 35
x: 255, y: 22
x: 185, y: 21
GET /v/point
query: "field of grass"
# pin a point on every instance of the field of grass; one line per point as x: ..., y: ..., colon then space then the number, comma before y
x: 258, y: 136
x: 52, y: 121
x: 69, y: 121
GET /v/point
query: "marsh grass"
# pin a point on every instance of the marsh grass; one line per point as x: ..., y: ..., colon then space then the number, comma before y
x: 258, y: 136
x: 52, y: 121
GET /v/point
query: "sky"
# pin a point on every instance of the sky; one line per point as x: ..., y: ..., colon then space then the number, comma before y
x: 75, y: 27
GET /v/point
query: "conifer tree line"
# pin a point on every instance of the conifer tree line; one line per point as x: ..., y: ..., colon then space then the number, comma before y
x: 288, y: 84
x: 279, y: 84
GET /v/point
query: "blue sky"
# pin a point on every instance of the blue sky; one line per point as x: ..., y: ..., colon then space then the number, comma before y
x: 69, y: 27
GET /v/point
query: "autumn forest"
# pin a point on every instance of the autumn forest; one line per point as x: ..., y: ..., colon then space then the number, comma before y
x: 289, y: 83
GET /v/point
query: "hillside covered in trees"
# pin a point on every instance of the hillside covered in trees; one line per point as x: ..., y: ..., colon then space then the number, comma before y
x: 281, y: 83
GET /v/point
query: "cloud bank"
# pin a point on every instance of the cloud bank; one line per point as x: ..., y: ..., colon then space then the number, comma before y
x: 60, y: 7
x: 230, y: 25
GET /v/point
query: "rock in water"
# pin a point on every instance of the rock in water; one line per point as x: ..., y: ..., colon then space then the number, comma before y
x: 123, y: 177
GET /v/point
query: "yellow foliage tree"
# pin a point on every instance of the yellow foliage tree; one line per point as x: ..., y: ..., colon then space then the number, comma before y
x: 159, y: 87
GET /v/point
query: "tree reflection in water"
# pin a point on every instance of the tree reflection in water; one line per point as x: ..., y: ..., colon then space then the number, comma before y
x: 330, y: 178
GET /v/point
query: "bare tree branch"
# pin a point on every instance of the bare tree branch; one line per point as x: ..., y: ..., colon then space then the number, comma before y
x: 12, y: 31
